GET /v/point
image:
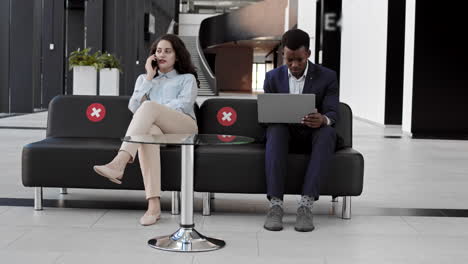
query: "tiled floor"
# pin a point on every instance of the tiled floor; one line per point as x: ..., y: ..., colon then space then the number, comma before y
x: 403, y: 176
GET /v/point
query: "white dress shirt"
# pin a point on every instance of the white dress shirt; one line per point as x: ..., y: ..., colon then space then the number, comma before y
x: 174, y: 90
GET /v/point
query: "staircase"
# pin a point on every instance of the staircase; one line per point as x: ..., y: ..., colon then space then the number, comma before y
x: 191, y: 44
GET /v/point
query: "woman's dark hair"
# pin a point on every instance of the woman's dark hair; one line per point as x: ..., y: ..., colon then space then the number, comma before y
x: 183, y: 63
x: 295, y: 39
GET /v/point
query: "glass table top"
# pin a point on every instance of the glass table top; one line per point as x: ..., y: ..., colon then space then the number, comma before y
x: 189, y: 139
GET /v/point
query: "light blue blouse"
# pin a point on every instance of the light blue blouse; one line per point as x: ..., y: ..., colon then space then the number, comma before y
x: 174, y: 90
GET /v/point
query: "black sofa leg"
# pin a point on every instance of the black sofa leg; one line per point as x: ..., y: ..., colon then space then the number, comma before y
x: 346, y: 209
x: 206, y: 203
x: 37, y: 198
x: 63, y: 191
x: 175, y: 203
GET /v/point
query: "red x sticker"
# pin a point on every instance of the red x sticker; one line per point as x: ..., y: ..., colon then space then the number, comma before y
x: 96, y: 112
x: 226, y: 138
x: 227, y: 116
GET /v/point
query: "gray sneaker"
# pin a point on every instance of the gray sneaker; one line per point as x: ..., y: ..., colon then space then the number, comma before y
x: 274, y: 219
x: 304, y: 220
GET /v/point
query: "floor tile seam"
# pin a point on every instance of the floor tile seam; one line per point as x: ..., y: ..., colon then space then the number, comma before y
x: 129, y: 229
x: 18, y: 238
x: 126, y: 228
x: 53, y: 226
x: 370, y: 234
x: 61, y: 254
x: 258, y: 242
x: 23, y: 128
x: 443, y: 212
x: 403, y: 217
x: 103, y: 214
x: 350, y: 236
x: 8, y: 208
x: 202, y: 222
x: 410, y: 225
x: 435, y: 235
x: 288, y: 214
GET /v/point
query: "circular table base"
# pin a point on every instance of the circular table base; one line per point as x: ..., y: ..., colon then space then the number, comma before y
x: 186, y: 240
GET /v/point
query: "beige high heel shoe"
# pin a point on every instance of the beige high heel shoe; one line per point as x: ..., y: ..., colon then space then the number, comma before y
x: 119, y: 162
x: 112, y: 174
x: 147, y: 220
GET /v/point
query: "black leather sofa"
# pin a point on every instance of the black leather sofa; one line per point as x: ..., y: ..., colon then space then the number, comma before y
x: 73, y: 144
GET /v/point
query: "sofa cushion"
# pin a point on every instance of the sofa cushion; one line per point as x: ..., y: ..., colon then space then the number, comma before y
x: 68, y: 163
x: 230, y: 117
x: 241, y: 169
x: 68, y: 116
x: 344, y: 177
x: 246, y: 123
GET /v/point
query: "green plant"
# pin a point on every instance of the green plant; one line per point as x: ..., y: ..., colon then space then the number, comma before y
x: 107, y: 60
x: 83, y: 58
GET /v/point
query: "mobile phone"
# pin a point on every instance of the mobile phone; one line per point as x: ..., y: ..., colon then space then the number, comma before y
x: 154, y: 63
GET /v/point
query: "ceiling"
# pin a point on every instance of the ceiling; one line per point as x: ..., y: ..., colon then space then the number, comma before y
x: 260, y: 47
x: 214, y: 6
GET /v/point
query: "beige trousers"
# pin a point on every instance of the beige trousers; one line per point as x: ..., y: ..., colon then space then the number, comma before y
x: 155, y: 119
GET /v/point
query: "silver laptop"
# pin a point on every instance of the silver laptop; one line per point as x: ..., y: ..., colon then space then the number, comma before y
x: 284, y: 108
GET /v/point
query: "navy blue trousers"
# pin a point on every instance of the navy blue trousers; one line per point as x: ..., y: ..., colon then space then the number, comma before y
x: 283, y: 138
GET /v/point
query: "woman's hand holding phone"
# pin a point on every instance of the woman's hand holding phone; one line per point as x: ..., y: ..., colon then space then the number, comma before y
x: 151, y: 67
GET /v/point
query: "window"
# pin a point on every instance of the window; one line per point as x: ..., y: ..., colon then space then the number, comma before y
x: 258, y: 76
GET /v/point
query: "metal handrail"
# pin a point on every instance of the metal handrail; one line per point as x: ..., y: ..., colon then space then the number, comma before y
x: 206, y: 68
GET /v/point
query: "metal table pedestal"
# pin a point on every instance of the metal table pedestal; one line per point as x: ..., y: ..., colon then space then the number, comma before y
x: 186, y: 239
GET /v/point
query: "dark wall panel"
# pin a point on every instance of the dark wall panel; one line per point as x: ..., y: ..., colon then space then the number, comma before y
x: 440, y: 83
x: 93, y: 21
x: 123, y: 33
x: 395, y: 61
x: 75, y: 38
x: 109, y: 25
x: 318, y: 32
x: 4, y: 55
x: 93, y: 27
x: 46, y: 31
x: 21, y: 39
x: 130, y: 48
x: 113, y: 38
x: 53, y: 32
x: 37, y: 47
x: 331, y: 34
x: 120, y: 38
x: 165, y: 11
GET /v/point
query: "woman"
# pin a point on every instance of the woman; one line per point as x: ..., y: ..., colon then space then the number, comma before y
x: 162, y: 103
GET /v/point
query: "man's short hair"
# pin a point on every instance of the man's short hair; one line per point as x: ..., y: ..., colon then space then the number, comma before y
x: 295, y: 39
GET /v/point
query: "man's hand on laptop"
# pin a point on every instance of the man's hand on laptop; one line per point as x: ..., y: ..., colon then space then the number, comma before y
x: 314, y: 120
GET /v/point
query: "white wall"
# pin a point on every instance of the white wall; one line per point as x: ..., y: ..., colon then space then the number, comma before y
x: 409, y: 62
x: 306, y: 17
x: 364, y: 57
x: 189, y: 24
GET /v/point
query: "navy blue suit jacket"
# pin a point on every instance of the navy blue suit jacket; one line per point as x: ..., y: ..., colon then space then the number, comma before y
x: 320, y: 81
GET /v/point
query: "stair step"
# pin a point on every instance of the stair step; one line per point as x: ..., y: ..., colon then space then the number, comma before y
x: 191, y: 44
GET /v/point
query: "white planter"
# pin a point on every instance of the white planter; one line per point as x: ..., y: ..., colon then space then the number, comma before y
x: 109, y: 81
x: 84, y: 80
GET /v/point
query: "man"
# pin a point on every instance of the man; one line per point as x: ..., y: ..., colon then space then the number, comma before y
x: 300, y: 76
